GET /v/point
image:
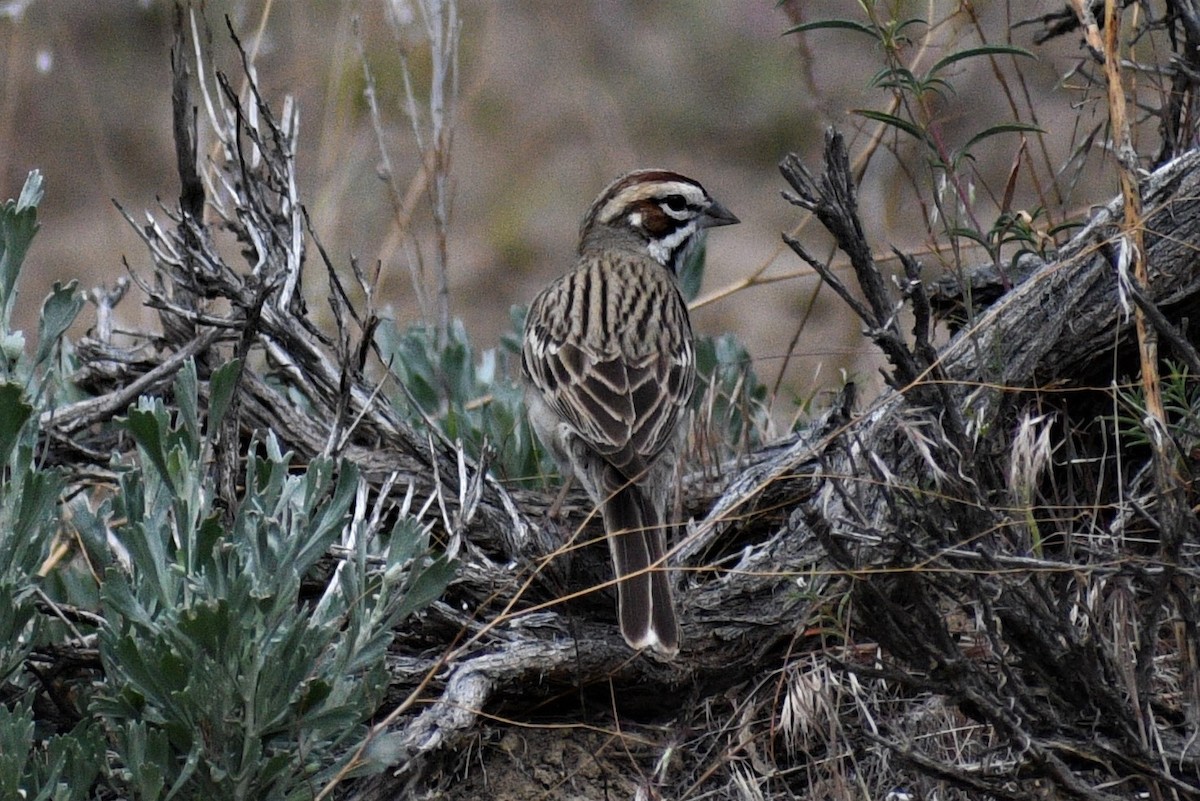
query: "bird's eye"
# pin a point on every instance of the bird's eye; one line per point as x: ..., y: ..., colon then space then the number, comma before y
x: 675, y: 202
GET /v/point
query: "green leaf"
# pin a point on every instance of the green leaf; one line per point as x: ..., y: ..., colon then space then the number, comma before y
x: 31, y: 193
x: 405, y: 540
x: 427, y: 586
x: 312, y: 694
x: 1007, y: 127
x: 16, y: 740
x: 835, y: 24
x: 511, y: 340
x: 893, y: 78
x: 985, y: 50
x: 896, y: 122
x: 974, y: 236
x: 327, y: 525
x: 190, y: 764
x: 16, y: 635
x: 69, y: 764
x: 37, y: 507
x: 59, y: 310
x: 207, y: 624
x: 14, y: 411
x: 1065, y: 227
x: 897, y: 28
x: 186, y: 399
x: 18, y: 224
x: 145, y: 426
x: 119, y: 599
x: 208, y: 538
x: 457, y: 369
x: 147, y: 755
x: 221, y: 385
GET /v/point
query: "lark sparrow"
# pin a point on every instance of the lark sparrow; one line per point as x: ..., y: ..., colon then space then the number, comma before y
x: 610, y: 368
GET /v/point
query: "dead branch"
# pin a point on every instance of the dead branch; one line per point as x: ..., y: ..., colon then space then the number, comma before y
x: 901, y: 508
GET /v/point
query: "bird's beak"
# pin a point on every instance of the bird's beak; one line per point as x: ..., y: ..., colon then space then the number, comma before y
x: 716, y: 214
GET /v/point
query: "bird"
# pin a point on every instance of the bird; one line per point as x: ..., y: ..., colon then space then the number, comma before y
x: 609, y: 369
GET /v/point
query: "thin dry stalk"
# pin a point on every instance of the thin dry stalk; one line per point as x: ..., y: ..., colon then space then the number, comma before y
x: 433, y: 133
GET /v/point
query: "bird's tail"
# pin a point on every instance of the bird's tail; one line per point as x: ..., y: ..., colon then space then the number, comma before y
x: 637, y: 542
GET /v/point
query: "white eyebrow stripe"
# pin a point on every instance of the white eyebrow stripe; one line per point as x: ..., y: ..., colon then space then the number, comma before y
x: 631, y: 195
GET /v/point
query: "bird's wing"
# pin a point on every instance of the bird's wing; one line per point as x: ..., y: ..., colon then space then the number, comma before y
x: 622, y: 394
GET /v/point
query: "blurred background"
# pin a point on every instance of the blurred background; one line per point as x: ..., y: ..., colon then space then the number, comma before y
x: 553, y: 101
